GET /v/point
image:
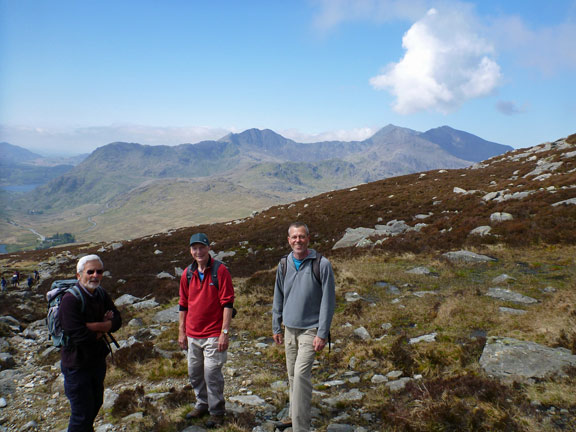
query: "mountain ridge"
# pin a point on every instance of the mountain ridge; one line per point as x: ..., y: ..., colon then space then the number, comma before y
x: 262, y: 162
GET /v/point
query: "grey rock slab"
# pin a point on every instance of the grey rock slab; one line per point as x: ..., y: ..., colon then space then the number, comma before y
x: 352, y: 236
x: 481, y: 231
x: 511, y: 311
x: 419, y: 271
x: 126, y: 299
x: 463, y: 256
x: 352, y: 395
x: 503, y: 278
x: 424, y: 338
x: 509, y: 295
x: 251, y: 400
x: 509, y: 358
x: 146, y: 304
x: 571, y: 201
x: 501, y: 217
x: 398, y: 385
x: 167, y: 315
x: 164, y: 275
x: 352, y: 297
x: 362, y: 333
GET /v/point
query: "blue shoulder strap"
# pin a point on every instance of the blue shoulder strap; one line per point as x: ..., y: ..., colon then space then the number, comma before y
x: 76, y: 292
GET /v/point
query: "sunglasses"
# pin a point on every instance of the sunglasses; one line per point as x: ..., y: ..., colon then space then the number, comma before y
x: 91, y: 272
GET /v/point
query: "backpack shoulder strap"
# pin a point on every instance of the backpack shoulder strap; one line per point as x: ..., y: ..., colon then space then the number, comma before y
x: 316, y: 266
x: 191, y: 269
x: 76, y: 293
x: 284, y: 266
x: 215, y: 265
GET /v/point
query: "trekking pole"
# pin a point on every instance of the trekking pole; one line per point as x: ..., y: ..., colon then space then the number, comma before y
x: 114, y: 341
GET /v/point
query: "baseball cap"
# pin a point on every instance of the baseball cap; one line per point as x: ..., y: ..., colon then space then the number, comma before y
x: 199, y: 238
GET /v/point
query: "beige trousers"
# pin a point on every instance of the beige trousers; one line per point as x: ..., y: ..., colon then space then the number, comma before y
x: 205, y: 371
x: 300, y: 356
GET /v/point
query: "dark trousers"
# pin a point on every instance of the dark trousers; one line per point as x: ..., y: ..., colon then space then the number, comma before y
x: 84, y: 388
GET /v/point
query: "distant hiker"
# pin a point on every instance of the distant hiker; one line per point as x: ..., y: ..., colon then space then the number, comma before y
x: 205, y: 314
x: 30, y: 281
x: 86, y: 321
x: 15, y: 280
x: 305, y: 305
x: 36, y: 276
x: 4, y: 284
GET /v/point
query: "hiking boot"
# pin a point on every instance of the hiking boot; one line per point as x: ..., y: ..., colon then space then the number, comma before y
x: 215, y: 421
x: 285, y: 423
x: 197, y: 412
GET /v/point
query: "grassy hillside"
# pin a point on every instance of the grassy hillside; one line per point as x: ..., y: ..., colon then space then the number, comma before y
x: 452, y: 392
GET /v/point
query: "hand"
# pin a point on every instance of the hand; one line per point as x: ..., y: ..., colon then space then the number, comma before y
x: 278, y: 338
x: 108, y: 315
x: 183, y: 340
x: 318, y: 343
x: 223, y: 342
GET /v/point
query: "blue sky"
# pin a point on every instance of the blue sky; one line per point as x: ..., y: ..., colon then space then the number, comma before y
x: 79, y: 74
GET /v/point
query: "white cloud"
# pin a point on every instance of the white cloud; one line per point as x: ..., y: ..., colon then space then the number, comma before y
x: 358, y: 134
x: 446, y: 63
x: 334, y: 12
x: 85, y: 139
x: 550, y: 49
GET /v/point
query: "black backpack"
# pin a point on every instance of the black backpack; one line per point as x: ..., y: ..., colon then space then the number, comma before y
x: 215, y: 264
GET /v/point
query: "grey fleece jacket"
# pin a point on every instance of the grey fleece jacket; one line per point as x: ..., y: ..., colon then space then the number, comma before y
x: 300, y: 301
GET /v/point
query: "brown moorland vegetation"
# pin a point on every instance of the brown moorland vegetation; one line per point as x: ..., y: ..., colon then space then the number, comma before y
x: 536, y: 248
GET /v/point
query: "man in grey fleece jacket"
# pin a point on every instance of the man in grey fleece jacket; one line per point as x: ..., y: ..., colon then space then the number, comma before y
x: 305, y: 306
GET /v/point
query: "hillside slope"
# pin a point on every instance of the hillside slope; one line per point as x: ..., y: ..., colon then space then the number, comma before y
x: 412, y: 328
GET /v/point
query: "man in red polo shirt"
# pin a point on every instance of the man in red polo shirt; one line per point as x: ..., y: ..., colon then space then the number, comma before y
x: 205, y: 315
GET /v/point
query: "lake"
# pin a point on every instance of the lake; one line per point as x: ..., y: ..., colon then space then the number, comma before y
x: 19, y: 188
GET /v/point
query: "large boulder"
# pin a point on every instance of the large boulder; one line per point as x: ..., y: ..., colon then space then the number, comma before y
x: 513, y: 359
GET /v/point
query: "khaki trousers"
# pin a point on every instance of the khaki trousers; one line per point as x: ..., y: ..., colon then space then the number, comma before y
x: 300, y: 356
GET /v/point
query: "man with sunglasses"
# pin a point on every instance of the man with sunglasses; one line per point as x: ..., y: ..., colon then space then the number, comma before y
x: 86, y: 321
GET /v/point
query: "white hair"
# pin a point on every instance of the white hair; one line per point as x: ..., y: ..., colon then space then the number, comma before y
x: 82, y: 262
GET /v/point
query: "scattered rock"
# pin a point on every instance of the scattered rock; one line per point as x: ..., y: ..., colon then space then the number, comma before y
x: 167, y: 315
x: 164, y: 275
x: 501, y: 217
x: 420, y: 271
x: 126, y: 299
x: 511, y: 311
x: 571, y: 201
x: 146, y: 304
x: 481, y: 231
x: 503, y: 278
x: 362, y: 333
x: 397, y: 385
x: 352, y: 297
x: 511, y: 296
x: 424, y: 338
x: 467, y: 257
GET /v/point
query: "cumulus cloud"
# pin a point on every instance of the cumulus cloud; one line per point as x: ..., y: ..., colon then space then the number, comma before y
x: 509, y: 108
x: 446, y: 63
